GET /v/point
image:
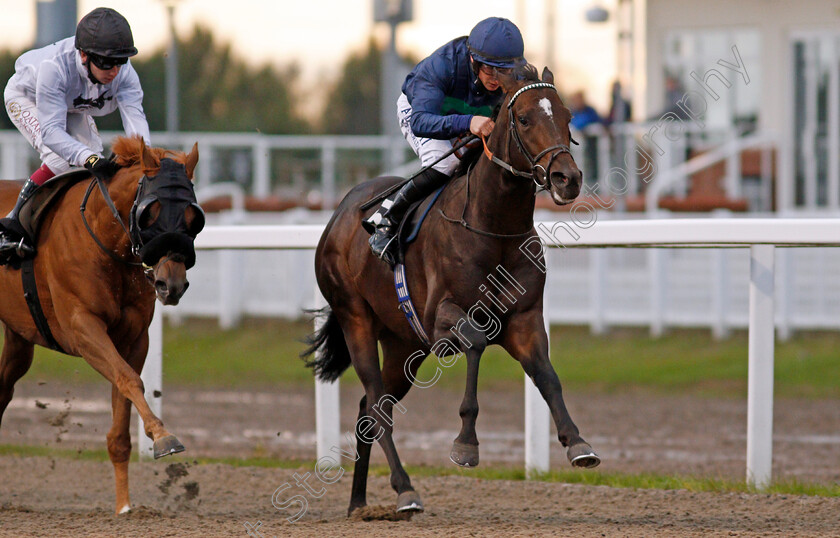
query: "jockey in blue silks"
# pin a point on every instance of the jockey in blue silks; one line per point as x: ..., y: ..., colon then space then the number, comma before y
x: 449, y: 94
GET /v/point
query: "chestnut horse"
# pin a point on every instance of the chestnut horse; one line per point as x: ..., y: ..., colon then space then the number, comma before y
x: 472, y: 238
x: 95, y: 297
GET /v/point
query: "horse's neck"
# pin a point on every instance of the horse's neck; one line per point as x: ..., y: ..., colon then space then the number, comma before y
x: 500, y: 202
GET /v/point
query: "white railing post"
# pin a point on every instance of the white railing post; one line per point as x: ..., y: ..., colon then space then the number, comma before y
x: 732, y: 182
x: 231, y: 278
x: 658, y: 291
x: 537, y: 421
x: 262, y: 168
x: 760, y: 376
x: 720, y: 294
x: 152, y: 377
x: 328, y: 161
x: 784, y: 293
x: 597, y: 290
x: 327, y: 400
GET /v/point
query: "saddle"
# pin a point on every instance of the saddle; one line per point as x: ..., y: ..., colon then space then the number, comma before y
x: 413, y: 220
x: 33, y: 210
x: 31, y: 213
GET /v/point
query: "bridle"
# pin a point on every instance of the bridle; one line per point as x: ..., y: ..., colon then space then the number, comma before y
x: 538, y: 173
x: 98, y: 182
x: 534, y: 174
x: 143, y: 197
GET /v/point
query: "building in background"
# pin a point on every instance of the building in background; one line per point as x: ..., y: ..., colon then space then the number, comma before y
x: 791, y: 52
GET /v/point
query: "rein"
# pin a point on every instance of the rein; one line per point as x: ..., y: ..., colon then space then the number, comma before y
x: 99, y: 183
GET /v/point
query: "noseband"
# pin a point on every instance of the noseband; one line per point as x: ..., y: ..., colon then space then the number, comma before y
x: 538, y: 173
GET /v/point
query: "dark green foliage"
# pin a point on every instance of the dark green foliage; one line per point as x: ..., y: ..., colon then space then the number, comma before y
x: 352, y: 105
x: 7, y: 69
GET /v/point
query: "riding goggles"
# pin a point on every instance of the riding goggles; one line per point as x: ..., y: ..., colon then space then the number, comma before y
x: 106, y: 64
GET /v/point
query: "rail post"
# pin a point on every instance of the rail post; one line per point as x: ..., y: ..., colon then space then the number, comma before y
x: 327, y: 408
x: 152, y: 377
x: 760, y: 376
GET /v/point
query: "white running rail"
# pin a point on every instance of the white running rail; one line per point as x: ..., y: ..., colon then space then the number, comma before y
x: 762, y: 236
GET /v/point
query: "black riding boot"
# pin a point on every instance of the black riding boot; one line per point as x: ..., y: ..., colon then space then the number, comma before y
x: 12, y: 236
x: 386, y: 229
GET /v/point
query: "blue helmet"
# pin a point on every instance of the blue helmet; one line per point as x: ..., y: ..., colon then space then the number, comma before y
x: 496, y: 41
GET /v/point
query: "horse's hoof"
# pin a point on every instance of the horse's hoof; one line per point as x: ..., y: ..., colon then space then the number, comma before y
x: 464, y: 455
x: 409, y: 501
x: 353, y: 508
x: 582, y: 455
x: 167, y: 445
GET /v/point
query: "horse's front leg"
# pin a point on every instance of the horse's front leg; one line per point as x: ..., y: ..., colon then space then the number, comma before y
x: 91, y: 341
x: 472, y: 342
x: 119, y: 437
x: 119, y: 447
x: 525, y: 339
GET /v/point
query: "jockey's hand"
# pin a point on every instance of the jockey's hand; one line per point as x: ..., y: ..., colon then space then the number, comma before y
x: 481, y: 126
x: 100, y: 167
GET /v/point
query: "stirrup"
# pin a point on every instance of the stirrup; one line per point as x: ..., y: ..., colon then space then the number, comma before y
x: 23, y: 250
x: 384, y: 252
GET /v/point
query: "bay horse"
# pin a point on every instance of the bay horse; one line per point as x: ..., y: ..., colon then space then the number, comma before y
x: 96, y: 296
x: 480, y: 222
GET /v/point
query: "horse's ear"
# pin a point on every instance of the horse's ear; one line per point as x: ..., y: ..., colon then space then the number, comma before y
x: 192, y: 160
x: 147, y: 160
x: 547, y: 75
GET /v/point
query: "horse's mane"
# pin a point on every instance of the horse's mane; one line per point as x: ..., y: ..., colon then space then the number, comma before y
x: 527, y: 72
x: 127, y: 151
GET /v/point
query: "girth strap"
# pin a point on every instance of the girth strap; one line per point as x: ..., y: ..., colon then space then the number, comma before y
x: 30, y: 293
x: 407, y: 306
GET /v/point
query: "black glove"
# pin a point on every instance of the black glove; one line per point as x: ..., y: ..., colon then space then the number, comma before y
x: 101, y: 168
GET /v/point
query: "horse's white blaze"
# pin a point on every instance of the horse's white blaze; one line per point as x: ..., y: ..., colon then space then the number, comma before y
x: 545, y: 104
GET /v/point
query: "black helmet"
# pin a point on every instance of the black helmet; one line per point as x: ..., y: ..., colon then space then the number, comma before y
x: 106, y: 33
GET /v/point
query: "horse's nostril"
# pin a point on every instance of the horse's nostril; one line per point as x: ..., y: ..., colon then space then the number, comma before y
x: 160, y: 287
x: 560, y: 177
x: 186, y: 285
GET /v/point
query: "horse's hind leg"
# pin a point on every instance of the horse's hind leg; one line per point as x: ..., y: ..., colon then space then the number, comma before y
x: 395, y: 353
x: 14, y: 363
x: 448, y: 315
x: 373, y: 426
x: 525, y: 339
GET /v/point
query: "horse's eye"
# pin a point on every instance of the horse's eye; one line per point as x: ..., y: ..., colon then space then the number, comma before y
x: 523, y: 121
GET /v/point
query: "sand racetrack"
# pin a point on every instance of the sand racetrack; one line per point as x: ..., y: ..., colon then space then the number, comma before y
x: 46, y: 496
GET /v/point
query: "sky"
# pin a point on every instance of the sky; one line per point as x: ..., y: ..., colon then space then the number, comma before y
x: 319, y: 34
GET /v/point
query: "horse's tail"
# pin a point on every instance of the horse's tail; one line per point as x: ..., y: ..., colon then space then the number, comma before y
x: 328, y: 346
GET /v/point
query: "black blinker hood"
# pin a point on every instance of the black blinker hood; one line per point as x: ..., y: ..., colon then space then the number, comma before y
x: 169, y: 231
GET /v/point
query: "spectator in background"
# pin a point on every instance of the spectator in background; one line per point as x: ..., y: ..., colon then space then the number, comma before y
x: 620, y: 108
x: 674, y: 92
x: 583, y: 116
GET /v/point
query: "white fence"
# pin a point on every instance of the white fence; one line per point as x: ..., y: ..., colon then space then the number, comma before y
x: 600, y: 288
x: 760, y: 235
